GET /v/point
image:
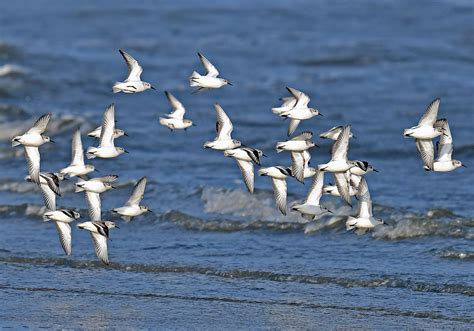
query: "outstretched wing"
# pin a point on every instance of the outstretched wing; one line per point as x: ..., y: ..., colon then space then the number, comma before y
x: 341, y: 146
x: 77, y: 150
x: 134, y: 68
x: 365, y: 202
x: 178, y: 108
x: 41, y: 124
x: 49, y: 197
x: 138, y: 192
x: 293, y: 126
x: 100, y: 244
x: 316, y: 189
x: 224, y: 126
x: 302, y: 98
x: 108, y: 126
x: 93, y: 205
x: 106, y: 179
x: 305, y: 135
x: 64, y: 232
x: 279, y: 191
x: 297, y: 166
x: 429, y: 117
x: 33, y: 160
x: 246, y: 167
x: 211, y: 71
x: 445, y: 144
x: 343, y: 186
x: 426, y: 150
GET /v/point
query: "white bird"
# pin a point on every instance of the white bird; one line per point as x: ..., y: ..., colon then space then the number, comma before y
x: 132, y: 207
x: 278, y: 175
x: 365, y: 219
x: 296, y: 109
x: 246, y: 157
x: 106, y: 147
x: 49, y: 185
x: 224, y: 129
x: 99, y: 231
x: 443, y: 162
x: 98, y: 130
x: 62, y: 218
x: 133, y: 83
x: 175, y: 120
x: 31, y: 140
x: 333, y: 133
x: 93, y: 188
x: 34, y: 137
x: 210, y: 80
x: 339, y: 164
x: 300, y: 168
x: 311, y: 209
x: 77, y: 166
x: 299, y: 143
x: 426, y: 130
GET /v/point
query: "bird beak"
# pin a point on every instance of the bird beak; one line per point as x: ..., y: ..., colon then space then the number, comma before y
x: 321, y: 114
x: 264, y: 155
x: 229, y: 83
x: 462, y: 165
x: 330, y: 212
x: 51, y: 141
x: 117, y: 227
x: 151, y: 211
x: 375, y: 170
x: 113, y: 187
x: 354, y: 137
x: 152, y: 87
x: 125, y: 134
x: 125, y: 151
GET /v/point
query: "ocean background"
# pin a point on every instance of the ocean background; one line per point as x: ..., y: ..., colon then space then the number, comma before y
x: 211, y: 255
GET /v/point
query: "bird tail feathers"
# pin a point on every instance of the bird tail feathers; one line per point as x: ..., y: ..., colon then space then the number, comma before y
x: 116, y: 88
x: 192, y: 79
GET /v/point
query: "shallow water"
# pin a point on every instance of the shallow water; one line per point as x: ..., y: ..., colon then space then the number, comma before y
x: 211, y: 255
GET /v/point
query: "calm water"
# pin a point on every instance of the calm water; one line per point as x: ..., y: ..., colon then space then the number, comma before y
x: 212, y: 256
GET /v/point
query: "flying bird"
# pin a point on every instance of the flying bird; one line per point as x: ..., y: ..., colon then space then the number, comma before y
x: 99, y: 231
x: 133, y: 83
x: 62, y: 218
x: 175, y: 120
x: 245, y: 158
x: 339, y: 164
x: 106, y: 148
x: 311, y: 209
x: 444, y: 146
x: 49, y: 185
x: 93, y: 188
x: 296, y: 109
x: 426, y: 129
x: 278, y: 175
x: 132, y: 207
x: 365, y: 219
x: 77, y: 166
x: 224, y: 129
x: 208, y: 81
x: 31, y: 140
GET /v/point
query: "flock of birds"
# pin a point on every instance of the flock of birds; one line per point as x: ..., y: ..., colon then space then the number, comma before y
x: 349, y: 175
